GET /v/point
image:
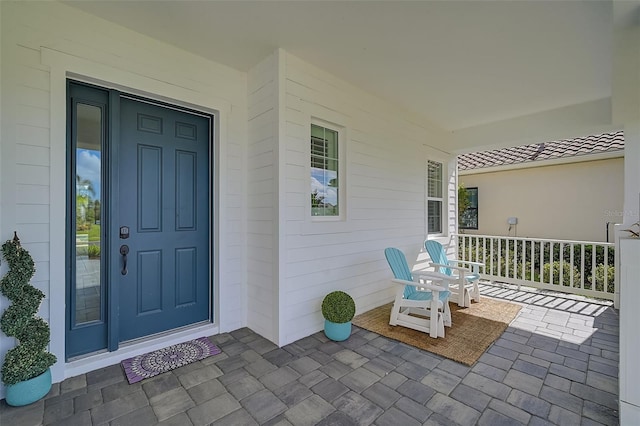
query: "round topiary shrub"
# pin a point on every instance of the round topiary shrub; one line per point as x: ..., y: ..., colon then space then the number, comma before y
x: 338, y: 307
x: 29, y: 358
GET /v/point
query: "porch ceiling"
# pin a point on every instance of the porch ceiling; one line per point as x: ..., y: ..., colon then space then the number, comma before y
x: 459, y: 64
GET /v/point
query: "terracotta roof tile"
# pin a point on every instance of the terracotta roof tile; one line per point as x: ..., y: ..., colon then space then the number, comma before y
x: 606, y: 142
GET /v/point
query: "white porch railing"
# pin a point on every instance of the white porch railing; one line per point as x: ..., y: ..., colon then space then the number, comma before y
x: 579, y: 267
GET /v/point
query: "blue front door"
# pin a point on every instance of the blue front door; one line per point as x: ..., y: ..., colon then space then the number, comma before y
x: 160, y: 249
x: 138, y: 218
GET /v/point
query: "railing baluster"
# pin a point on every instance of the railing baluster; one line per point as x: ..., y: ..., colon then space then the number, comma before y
x: 541, y: 264
x: 477, y: 249
x: 508, y: 262
x: 551, y: 258
x: 523, y: 253
x: 594, y: 249
x: 501, y: 262
x: 507, y: 257
x: 465, y: 244
x: 533, y: 244
x: 571, y: 262
x: 582, y: 266
x: 473, y: 246
x: 511, y: 265
x: 499, y: 257
x: 515, y: 258
x: 606, y: 269
x: 514, y: 263
x: 491, y: 258
x: 484, y: 254
x: 466, y: 247
x: 561, y: 260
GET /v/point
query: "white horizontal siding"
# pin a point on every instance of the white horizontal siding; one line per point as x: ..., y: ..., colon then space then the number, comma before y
x: 32, y: 155
x: 266, y: 239
x: 30, y: 181
x: 30, y: 135
x: 32, y: 194
x: 262, y: 199
x: 384, y: 183
x: 31, y: 232
x: 32, y: 175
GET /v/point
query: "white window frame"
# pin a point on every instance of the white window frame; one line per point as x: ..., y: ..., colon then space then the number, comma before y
x: 340, y: 130
x: 442, y: 199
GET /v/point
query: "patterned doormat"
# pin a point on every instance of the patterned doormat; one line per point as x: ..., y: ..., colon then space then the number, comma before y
x: 166, y: 359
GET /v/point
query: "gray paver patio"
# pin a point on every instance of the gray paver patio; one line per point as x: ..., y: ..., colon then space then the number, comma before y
x: 549, y: 367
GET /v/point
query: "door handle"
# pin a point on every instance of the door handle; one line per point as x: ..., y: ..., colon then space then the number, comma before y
x: 124, y: 251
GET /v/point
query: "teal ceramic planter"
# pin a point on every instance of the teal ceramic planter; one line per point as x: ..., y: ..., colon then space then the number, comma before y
x: 337, y: 331
x: 29, y: 391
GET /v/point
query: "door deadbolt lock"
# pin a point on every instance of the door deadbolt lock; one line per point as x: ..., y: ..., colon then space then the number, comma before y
x: 124, y: 232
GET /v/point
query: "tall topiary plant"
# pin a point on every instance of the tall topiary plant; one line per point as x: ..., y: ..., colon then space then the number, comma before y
x: 29, y: 358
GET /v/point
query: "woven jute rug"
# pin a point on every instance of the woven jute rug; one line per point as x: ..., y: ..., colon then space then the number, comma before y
x: 472, y: 332
x: 153, y: 363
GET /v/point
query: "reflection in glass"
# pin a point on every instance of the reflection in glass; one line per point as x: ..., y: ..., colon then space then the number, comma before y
x: 434, y: 197
x: 324, y: 171
x: 469, y: 217
x: 434, y: 179
x: 88, y: 145
x: 434, y: 217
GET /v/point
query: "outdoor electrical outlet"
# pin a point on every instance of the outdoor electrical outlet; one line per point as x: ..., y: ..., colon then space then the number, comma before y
x: 512, y: 221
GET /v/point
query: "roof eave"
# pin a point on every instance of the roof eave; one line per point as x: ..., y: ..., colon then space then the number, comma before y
x: 542, y: 163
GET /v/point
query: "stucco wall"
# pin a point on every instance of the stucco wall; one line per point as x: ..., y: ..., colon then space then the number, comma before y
x: 570, y: 201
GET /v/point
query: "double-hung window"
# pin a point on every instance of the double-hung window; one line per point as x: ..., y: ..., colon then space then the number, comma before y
x: 325, y: 168
x: 435, y: 199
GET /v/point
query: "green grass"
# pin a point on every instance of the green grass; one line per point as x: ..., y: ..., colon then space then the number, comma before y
x: 94, y: 233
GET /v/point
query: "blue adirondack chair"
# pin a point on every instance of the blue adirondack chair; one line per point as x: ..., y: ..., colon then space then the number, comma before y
x: 419, y: 295
x: 467, y: 277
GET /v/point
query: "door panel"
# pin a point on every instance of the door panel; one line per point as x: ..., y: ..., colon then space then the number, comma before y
x: 149, y: 179
x: 186, y: 183
x: 164, y: 192
x: 149, y: 282
x: 186, y: 276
